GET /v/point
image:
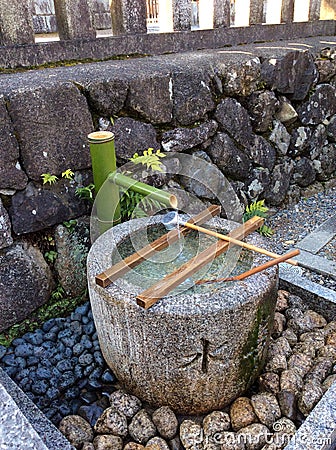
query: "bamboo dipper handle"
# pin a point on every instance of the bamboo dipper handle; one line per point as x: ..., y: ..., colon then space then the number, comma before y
x: 237, y: 242
x: 254, y: 270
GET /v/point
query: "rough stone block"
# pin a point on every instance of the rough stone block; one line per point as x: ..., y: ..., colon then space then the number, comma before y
x: 182, y: 15
x: 192, y: 97
x: 182, y: 139
x: 320, y: 106
x: 52, y: 124
x: 279, y: 183
x: 26, y: 283
x: 72, y: 249
x: 5, y: 228
x: 106, y: 97
x: 262, y: 106
x: 234, y: 119
x: 242, y: 78
x: 132, y: 136
x: 293, y: 74
x: 36, y: 208
x: 11, y: 175
x: 261, y: 152
x: 232, y: 161
x: 150, y: 96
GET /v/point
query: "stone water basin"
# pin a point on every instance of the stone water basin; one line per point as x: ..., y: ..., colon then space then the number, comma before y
x: 196, y: 349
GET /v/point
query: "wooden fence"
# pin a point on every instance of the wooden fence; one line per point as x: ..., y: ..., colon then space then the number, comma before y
x: 221, y: 23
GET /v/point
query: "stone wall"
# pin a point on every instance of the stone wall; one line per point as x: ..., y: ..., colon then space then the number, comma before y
x: 265, y: 115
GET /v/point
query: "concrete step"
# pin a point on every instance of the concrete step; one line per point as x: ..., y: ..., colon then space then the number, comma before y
x: 316, y: 240
x: 22, y: 425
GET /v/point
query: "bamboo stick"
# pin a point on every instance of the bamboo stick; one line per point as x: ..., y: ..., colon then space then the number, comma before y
x: 254, y: 270
x: 238, y: 242
x: 126, y: 182
x: 111, y: 274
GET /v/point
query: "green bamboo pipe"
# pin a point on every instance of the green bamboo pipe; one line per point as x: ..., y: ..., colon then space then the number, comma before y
x: 126, y: 182
x: 103, y: 159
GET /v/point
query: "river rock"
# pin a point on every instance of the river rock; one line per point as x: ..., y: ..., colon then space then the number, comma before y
x: 107, y: 442
x: 292, y: 74
x: 262, y: 106
x: 310, y: 395
x: 216, y: 422
x: 300, y: 140
x: 26, y: 283
x: 192, y: 96
x: 125, y: 403
x: 269, y: 382
x: 278, y: 325
x: 133, y: 446
x: 191, y: 435
x: 38, y: 207
x: 242, y: 413
x: 72, y: 248
x: 11, y: 174
x: 288, y: 404
x: 291, y: 381
x: 304, y: 172
x: 229, y: 158
x: 133, y: 136
x: 307, y: 321
x: 176, y: 444
x: 234, y: 119
x: 330, y: 336
x: 301, y: 363
x: 320, y: 106
x: 284, y: 429
x: 165, y: 421
x: 106, y: 97
x: 182, y: 139
x: 141, y: 428
x: 291, y: 336
x: 157, y: 443
x: 286, y: 113
x: 76, y: 430
x: 261, y: 152
x: 320, y: 370
x: 280, y: 137
x: 254, y: 436
x: 282, y: 301
x: 314, y: 338
x: 113, y: 422
x: 266, y: 407
x: 48, y: 146
x: 5, y: 228
x: 327, y: 383
x: 88, y: 446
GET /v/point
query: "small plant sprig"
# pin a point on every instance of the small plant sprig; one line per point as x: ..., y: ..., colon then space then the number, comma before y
x: 70, y: 224
x: 51, y: 179
x: 259, y: 209
x: 86, y: 192
x: 50, y: 256
x: 48, y: 178
x: 149, y: 159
